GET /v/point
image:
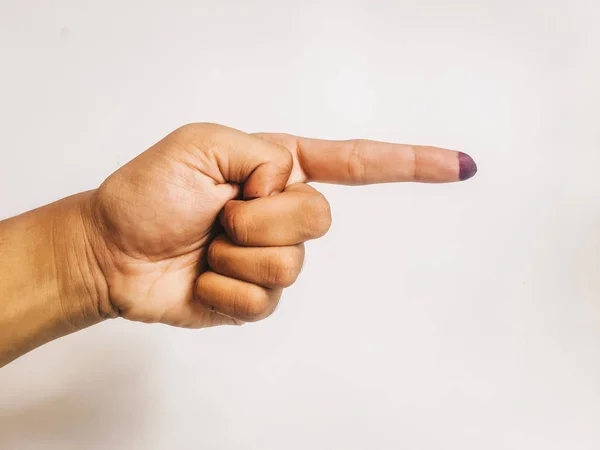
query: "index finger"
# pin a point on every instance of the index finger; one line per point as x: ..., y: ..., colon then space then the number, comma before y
x: 360, y: 161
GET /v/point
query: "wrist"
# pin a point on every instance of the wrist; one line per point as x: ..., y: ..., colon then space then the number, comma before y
x: 50, y: 280
x: 82, y: 286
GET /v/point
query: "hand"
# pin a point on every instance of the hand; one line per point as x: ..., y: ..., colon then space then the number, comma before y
x: 207, y: 226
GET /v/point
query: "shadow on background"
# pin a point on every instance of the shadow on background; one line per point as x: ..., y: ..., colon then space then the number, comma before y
x: 90, y: 415
x: 98, y: 401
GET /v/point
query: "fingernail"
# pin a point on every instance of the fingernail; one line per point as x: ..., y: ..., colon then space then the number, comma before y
x: 467, y: 167
x: 231, y: 320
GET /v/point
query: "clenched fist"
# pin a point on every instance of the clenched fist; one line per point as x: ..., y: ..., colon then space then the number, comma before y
x: 207, y: 226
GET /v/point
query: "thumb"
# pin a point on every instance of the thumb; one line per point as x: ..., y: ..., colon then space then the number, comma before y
x: 231, y: 156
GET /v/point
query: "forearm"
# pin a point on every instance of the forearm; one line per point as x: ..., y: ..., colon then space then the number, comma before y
x: 50, y: 284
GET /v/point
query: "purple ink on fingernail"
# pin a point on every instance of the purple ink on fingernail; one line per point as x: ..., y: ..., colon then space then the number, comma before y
x: 467, y: 167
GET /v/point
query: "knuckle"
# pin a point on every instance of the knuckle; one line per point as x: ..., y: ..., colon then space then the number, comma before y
x: 282, y: 165
x: 236, y: 225
x: 283, y: 271
x: 211, y: 130
x: 256, y: 305
x: 200, y: 288
x: 214, y: 256
x: 287, y: 158
x: 190, y: 131
x: 319, y: 215
x: 356, y: 160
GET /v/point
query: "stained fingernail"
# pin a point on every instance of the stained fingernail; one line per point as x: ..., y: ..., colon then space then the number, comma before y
x: 466, y: 165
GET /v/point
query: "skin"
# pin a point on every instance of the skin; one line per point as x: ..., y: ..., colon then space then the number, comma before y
x: 205, y: 228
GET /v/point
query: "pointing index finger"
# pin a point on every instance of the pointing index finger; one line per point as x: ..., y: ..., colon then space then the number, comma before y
x: 359, y: 161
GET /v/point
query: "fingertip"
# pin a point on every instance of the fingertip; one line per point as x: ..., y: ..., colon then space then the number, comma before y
x: 467, y: 167
x: 225, y: 213
x: 266, y: 180
x: 228, y: 191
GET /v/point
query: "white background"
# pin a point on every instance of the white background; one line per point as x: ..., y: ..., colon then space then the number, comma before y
x: 431, y: 317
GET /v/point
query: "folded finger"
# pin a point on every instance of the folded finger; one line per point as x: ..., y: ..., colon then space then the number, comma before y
x: 237, y: 299
x: 298, y: 214
x: 271, y: 267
